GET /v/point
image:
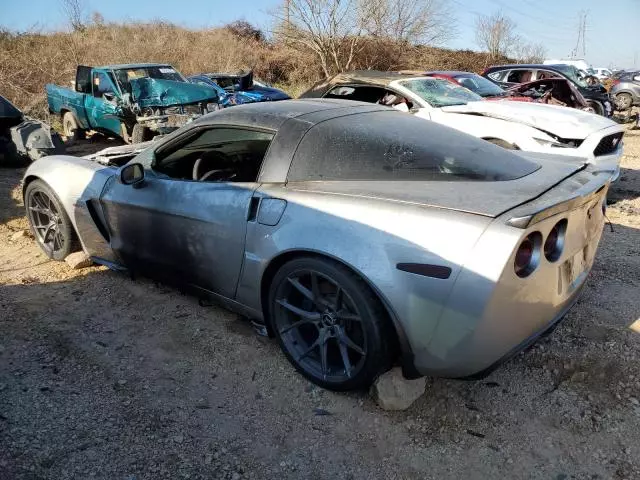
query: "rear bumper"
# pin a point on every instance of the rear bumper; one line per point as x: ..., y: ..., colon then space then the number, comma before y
x: 526, y: 343
x: 491, y: 313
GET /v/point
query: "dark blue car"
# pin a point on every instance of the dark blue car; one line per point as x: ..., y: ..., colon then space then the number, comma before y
x: 238, y: 89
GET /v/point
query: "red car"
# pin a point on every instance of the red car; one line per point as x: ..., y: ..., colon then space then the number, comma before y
x: 557, y: 91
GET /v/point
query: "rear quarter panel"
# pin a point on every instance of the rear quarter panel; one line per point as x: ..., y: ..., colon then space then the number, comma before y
x: 371, y: 237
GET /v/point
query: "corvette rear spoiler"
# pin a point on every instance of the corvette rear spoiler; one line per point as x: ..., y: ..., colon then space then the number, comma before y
x: 576, y: 191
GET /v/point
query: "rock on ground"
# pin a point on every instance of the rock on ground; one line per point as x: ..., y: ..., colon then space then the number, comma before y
x: 78, y: 260
x: 20, y: 234
x: 394, y: 392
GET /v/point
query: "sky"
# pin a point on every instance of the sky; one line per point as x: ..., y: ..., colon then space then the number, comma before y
x: 612, y: 39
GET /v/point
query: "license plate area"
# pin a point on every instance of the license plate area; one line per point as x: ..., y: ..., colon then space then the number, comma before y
x: 573, y: 271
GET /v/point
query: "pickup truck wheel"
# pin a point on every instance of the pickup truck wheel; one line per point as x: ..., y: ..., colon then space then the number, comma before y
x: 71, y: 129
x: 139, y: 134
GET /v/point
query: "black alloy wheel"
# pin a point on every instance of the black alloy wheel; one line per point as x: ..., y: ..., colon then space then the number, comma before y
x: 49, y: 222
x: 329, y: 324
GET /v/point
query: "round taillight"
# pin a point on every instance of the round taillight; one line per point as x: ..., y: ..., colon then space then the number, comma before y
x: 554, y: 244
x: 528, y: 255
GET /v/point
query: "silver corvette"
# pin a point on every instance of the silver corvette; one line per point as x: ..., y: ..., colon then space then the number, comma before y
x: 359, y: 236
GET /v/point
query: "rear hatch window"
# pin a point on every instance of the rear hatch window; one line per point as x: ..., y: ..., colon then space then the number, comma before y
x: 397, y: 146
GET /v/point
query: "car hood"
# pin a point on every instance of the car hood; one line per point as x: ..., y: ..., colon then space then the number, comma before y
x: 563, y: 122
x: 153, y: 92
x: 489, y: 199
x: 263, y: 94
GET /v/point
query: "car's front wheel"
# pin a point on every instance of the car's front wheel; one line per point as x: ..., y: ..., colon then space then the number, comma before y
x: 329, y: 323
x: 597, y: 107
x: 49, y: 223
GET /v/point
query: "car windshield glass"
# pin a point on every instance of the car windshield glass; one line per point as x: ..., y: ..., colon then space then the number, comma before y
x: 394, y: 146
x: 480, y: 85
x: 573, y: 74
x: 160, y: 72
x: 440, y: 93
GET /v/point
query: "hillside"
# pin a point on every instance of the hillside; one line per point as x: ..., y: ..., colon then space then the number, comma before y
x: 29, y: 61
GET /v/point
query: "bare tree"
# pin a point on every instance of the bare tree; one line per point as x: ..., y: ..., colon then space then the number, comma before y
x: 525, y: 52
x: 75, y: 12
x: 427, y: 22
x: 330, y: 29
x: 496, y: 34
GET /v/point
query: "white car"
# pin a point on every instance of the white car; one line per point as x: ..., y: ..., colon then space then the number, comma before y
x: 603, y: 73
x: 533, y: 127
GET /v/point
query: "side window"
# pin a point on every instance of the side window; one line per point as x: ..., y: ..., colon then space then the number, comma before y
x: 542, y: 74
x: 363, y: 93
x: 497, y: 76
x: 101, y: 85
x: 216, y: 155
x: 519, y: 76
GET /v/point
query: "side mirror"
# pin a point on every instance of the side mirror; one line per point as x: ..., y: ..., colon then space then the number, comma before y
x: 109, y: 96
x: 132, y: 174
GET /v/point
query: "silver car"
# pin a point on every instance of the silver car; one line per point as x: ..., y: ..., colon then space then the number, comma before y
x: 358, y: 235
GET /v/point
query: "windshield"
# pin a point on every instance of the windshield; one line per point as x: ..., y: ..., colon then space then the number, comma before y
x: 440, y: 93
x: 160, y: 72
x: 573, y: 74
x: 480, y: 85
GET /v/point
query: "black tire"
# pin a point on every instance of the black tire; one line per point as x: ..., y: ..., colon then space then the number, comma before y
x: 624, y: 101
x: 71, y: 129
x: 353, y: 322
x: 49, y: 222
x: 598, y: 108
x: 502, y: 143
x: 139, y: 134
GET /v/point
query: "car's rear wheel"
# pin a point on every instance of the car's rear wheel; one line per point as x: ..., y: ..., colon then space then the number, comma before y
x: 49, y: 222
x: 624, y: 101
x: 71, y: 128
x: 329, y: 323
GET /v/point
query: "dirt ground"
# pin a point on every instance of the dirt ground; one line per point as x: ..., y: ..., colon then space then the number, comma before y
x: 105, y: 377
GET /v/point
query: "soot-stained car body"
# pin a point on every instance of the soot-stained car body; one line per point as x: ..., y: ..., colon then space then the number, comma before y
x: 359, y: 235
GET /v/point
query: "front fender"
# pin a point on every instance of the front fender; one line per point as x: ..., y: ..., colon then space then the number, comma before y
x: 78, y: 183
x: 486, y: 127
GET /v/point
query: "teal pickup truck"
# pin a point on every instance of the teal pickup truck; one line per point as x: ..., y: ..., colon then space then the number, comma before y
x: 133, y: 102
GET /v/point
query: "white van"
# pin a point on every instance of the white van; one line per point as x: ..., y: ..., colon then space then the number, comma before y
x: 578, y: 63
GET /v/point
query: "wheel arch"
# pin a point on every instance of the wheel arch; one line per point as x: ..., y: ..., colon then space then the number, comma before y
x: 406, y: 354
x: 28, y: 180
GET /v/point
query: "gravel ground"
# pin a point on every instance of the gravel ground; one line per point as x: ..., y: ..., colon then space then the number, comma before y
x: 104, y: 377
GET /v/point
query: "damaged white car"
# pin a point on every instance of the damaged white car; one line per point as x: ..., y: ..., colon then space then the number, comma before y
x: 533, y: 127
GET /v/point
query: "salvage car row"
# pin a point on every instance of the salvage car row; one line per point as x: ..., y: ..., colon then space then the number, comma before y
x: 362, y: 225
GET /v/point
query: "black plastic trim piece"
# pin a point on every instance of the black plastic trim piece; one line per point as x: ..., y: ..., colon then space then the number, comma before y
x: 253, y: 209
x: 426, y: 270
